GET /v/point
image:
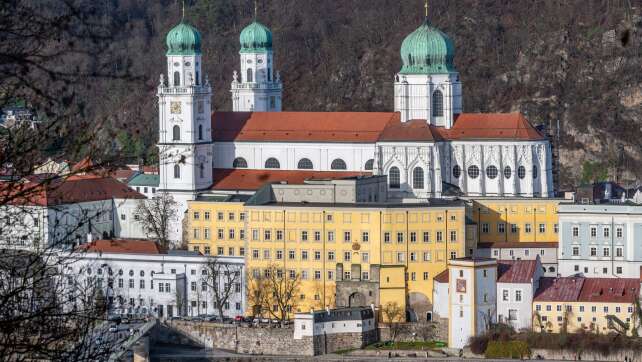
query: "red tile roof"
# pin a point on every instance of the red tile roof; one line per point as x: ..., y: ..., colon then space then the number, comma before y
x: 559, y: 289
x: 516, y: 245
x: 610, y: 290
x: 59, y: 191
x: 300, y: 126
x: 413, y: 130
x: 442, y: 277
x: 516, y: 271
x: 247, y: 179
x: 127, y: 246
x: 150, y: 169
x: 510, y: 126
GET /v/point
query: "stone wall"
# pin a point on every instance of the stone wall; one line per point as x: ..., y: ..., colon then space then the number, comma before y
x: 408, y: 332
x: 630, y: 355
x: 330, y: 343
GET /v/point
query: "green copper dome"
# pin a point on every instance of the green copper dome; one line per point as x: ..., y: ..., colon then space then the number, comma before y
x: 183, y: 39
x: 256, y: 37
x: 427, y: 50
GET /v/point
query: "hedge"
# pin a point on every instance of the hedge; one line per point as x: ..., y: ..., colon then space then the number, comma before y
x: 507, y: 349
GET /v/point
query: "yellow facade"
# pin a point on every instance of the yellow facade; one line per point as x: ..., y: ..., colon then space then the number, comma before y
x: 516, y: 220
x: 311, y: 240
x: 590, y: 317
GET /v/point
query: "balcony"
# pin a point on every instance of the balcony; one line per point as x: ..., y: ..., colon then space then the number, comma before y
x: 196, y: 89
x: 267, y: 86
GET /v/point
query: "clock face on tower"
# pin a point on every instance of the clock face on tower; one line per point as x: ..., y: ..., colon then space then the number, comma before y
x: 175, y: 107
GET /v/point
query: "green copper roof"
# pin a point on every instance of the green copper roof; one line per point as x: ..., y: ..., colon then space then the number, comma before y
x: 256, y: 37
x: 183, y: 39
x: 145, y: 179
x: 427, y: 50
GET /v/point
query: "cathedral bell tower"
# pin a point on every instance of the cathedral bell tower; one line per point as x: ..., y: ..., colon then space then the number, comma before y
x: 184, y: 104
x: 258, y: 87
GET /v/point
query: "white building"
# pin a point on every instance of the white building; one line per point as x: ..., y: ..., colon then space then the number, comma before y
x: 137, y: 277
x: 516, y: 285
x: 440, y: 306
x: 334, y: 321
x: 472, y: 298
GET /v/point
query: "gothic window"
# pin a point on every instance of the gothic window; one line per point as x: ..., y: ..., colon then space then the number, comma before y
x: 200, y: 131
x: 305, y: 164
x: 272, y: 163
x: 521, y: 172
x: 269, y: 74
x: 394, y: 177
x: 176, y: 133
x: 456, y: 171
x: 418, y: 178
x: 369, y: 164
x: 437, y: 104
x: 177, y: 79
x: 473, y: 171
x: 534, y: 171
x: 201, y: 170
x: 249, y: 75
x: 507, y: 172
x: 239, y: 162
x: 197, y: 81
x: 491, y: 172
x: 177, y: 171
x: 338, y: 164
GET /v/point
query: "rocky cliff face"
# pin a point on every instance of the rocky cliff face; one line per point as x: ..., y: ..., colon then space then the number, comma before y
x: 572, y: 63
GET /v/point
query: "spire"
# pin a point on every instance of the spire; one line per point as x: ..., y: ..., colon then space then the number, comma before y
x: 256, y: 7
x: 426, y: 8
x: 183, y: 17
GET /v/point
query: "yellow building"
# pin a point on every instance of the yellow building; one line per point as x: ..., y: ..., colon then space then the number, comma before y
x: 599, y: 305
x: 344, y: 253
x: 515, y: 220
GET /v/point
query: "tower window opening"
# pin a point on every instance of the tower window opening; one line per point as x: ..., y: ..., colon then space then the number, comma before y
x: 177, y: 171
x: 177, y: 79
x: 176, y: 133
x: 200, y: 132
x: 201, y: 169
x: 197, y: 78
x: 437, y: 104
x: 249, y: 76
x: 269, y: 74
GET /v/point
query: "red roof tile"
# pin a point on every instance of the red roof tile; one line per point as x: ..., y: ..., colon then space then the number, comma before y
x: 559, y: 289
x: 122, y: 246
x: 59, y: 191
x: 610, y: 290
x: 150, y: 169
x: 516, y: 245
x: 472, y: 126
x: 246, y: 179
x: 442, y: 277
x: 413, y: 130
x: 516, y: 271
x: 300, y: 126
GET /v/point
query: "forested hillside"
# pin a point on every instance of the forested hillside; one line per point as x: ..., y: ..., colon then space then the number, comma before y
x: 578, y: 62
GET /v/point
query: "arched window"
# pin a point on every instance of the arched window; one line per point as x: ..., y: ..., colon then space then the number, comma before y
x: 418, y: 178
x: 197, y: 77
x: 437, y: 104
x: 200, y: 131
x: 272, y: 163
x: 338, y: 164
x: 491, y: 172
x: 507, y: 172
x: 249, y: 77
x: 201, y: 170
x: 177, y: 171
x: 394, y: 178
x: 521, y: 172
x: 473, y: 171
x: 369, y: 164
x: 534, y: 171
x: 176, y: 133
x: 177, y: 79
x: 239, y: 162
x: 456, y: 171
x: 305, y: 164
x: 269, y: 75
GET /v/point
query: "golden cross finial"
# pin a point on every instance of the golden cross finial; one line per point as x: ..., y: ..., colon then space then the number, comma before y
x: 426, y: 7
x: 183, y: 18
x: 256, y: 7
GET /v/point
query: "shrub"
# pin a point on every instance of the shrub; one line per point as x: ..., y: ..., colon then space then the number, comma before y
x: 507, y: 349
x: 478, y: 344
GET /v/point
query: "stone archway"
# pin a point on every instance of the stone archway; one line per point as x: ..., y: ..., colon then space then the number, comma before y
x: 356, y: 299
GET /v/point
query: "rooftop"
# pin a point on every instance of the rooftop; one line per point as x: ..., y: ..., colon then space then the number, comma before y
x: 442, y: 277
x: 516, y: 271
x: 124, y: 246
x: 579, y: 289
x: 223, y: 198
x: 250, y: 180
x: 145, y: 179
x: 517, y: 245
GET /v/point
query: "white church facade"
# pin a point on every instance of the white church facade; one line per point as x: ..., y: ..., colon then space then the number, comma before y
x: 427, y: 146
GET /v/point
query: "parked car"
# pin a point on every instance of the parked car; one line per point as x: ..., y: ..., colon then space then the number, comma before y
x: 125, y: 321
x: 113, y: 328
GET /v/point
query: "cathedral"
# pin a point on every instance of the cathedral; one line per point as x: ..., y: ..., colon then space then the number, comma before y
x: 427, y: 146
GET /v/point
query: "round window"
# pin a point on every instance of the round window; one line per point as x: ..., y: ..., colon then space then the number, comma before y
x: 521, y: 172
x: 249, y: 61
x: 473, y: 171
x: 142, y: 273
x: 260, y: 61
x: 187, y: 64
x: 507, y: 172
x: 534, y: 171
x: 120, y: 272
x: 491, y: 172
x: 176, y: 64
x: 456, y: 171
x: 131, y: 273
x: 89, y: 271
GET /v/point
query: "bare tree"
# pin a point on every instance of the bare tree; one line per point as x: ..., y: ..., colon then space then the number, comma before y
x: 156, y: 215
x: 282, y: 287
x: 255, y: 290
x: 393, y: 316
x: 223, y: 280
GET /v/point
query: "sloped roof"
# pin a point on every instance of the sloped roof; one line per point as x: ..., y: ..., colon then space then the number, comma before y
x: 442, y: 277
x: 491, y: 126
x: 144, y: 179
x: 516, y: 271
x: 611, y: 290
x: 413, y: 130
x: 518, y: 244
x: 247, y: 179
x: 559, y: 289
x: 59, y: 191
x: 359, y: 127
x: 125, y: 246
